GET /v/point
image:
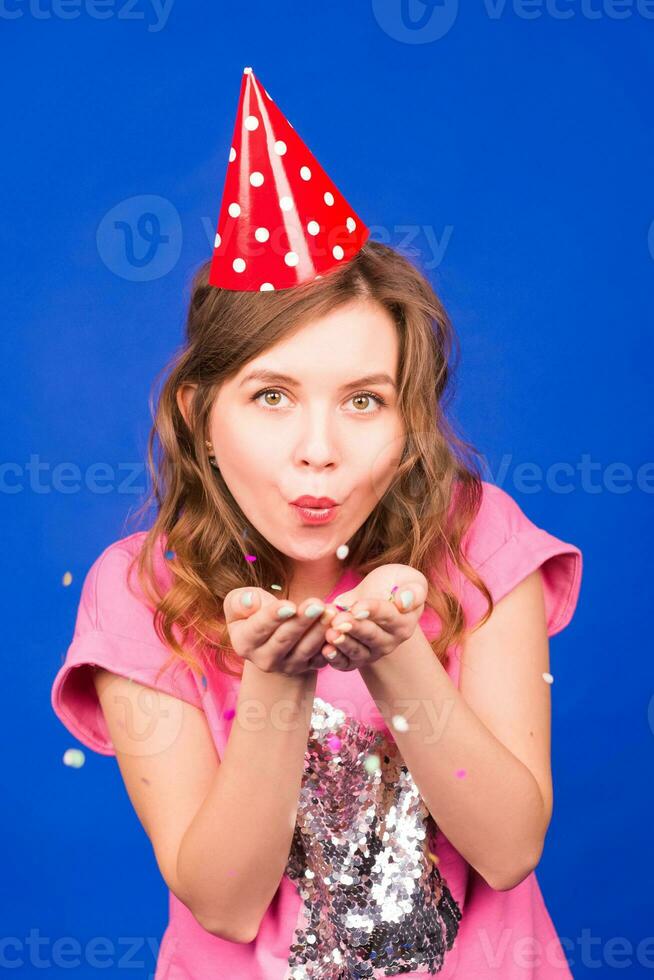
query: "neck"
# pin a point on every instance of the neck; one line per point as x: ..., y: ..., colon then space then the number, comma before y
x: 314, y: 579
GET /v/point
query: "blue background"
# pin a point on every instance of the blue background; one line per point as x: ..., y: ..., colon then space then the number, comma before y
x: 519, y: 140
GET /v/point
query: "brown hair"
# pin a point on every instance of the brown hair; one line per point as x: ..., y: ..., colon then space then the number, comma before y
x: 201, y: 523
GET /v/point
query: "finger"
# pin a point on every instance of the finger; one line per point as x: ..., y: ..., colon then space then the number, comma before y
x: 355, y: 653
x: 289, y: 636
x: 340, y: 661
x: 317, y: 662
x: 308, y: 645
x: 241, y: 604
x: 335, y: 658
x: 409, y: 597
x: 382, y: 612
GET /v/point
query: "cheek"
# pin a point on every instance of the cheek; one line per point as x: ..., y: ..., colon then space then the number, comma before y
x: 247, y: 460
x: 382, y: 457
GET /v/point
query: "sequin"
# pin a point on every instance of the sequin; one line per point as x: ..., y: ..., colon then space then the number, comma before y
x: 373, y: 903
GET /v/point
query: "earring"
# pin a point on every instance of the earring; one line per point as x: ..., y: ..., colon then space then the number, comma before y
x: 212, y: 458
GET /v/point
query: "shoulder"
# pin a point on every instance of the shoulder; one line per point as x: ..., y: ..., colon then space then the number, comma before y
x: 115, y: 631
x: 111, y: 590
x: 498, y: 518
x: 504, y: 545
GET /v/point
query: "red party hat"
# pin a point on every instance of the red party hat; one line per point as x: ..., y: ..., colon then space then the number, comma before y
x: 282, y: 221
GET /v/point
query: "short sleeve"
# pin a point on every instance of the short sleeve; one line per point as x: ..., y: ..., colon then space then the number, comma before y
x: 504, y: 546
x: 114, y: 629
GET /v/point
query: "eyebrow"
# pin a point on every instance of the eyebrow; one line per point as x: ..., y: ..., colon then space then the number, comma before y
x: 272, y: 377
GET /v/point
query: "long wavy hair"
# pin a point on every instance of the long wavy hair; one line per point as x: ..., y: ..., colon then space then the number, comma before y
x: 420, y: 520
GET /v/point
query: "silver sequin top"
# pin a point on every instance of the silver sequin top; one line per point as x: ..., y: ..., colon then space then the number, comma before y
x: 373, y: 902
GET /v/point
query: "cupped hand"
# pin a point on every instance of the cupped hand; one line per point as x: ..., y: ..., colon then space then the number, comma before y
x: 290, y: 644
x: 393, y: 597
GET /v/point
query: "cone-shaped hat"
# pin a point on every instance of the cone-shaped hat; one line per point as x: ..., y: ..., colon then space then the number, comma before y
x: 282, y: 221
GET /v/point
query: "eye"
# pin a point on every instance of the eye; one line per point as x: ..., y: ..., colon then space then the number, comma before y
x: 360, y: 394
x: 268, y: 391
x: 369, y: 394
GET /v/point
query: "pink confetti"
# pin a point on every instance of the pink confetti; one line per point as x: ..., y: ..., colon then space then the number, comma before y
x: 250, y: 557
x: 334, y: 743
x: 229, y: 713
x: 460, y: 773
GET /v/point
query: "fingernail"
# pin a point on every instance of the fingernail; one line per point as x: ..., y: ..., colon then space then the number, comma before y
x: 285, y: 612
x: 362, y: 614
x: 339, y: 639
x: 313, y: 610
x: 344, y: 627
x: 406, y: 598
x: 326, y: 617
x: 246, y: 599
x: 330, y: 655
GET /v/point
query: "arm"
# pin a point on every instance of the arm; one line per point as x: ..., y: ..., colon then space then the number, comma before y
x: 496, y: 727
x: 221, y: 830
x: 235, y: 850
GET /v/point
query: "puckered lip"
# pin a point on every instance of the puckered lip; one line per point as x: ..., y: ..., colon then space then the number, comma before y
x: 318, y: 502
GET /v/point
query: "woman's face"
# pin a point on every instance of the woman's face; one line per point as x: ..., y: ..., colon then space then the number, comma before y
x: 320, y: 431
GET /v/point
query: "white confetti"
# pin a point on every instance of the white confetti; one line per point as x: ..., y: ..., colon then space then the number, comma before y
x: 74, y: 758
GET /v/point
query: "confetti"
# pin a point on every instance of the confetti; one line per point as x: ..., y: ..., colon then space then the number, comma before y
x: 334, y: 743
x: 229, y: 713
x: 204, y: 681
x: 433, y: 857
x: 460, y: 773
x: 371, y: 763
x: 547, y: 677
x: 170, y: 553
x: 67, y: 578
x: 399, y: 723
x: 74, y: 758
x: 250, y: 557
x: 342, y: 551
x: 277, y: 588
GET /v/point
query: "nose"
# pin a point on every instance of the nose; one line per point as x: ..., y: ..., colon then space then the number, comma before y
x: 316, y: 444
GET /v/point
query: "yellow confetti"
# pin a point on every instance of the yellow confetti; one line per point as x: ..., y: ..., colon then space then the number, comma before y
x: 67, y: 578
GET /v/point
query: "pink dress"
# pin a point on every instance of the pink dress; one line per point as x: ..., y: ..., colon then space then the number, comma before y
x: 360, y: 896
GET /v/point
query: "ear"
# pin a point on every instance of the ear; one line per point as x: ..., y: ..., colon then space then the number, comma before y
x: 184, y: 397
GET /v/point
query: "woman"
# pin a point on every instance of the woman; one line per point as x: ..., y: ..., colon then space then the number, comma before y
x: 382, y: 812
x: 343, y: 769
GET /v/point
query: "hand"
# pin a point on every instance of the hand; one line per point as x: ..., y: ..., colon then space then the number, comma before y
x: 388, y: 623
x: 289, y: 645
